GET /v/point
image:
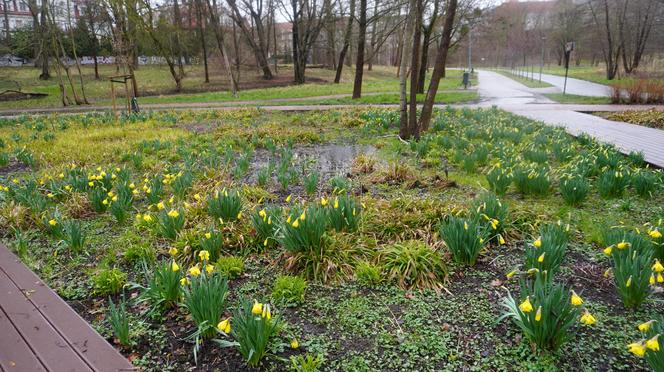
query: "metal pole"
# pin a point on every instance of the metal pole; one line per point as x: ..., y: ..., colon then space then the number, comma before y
x: 566, y: 70
x: 541, y: 60
x: 470, y: 50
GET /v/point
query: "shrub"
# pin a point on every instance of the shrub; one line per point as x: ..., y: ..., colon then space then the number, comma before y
x: 230, y: 266
x: 574, y: 190
x: 499, y: 180
x: 205, y: 298
x: 289, y: 290
x: 225, y: 205
x: 109, y: 281
x: 532, y: 182
x: 164, y: 285
x: 343, y: 213
x: 73, y: 235
x: 545, y: 312
x: 252, y: 328
x: 170, y: 223
x: 612, y: 183
x: 118, y: 318
x: 464, y: 238
x: 648, y: 346
x: 632, y: 257
x: 414, y: 264
x: 547, y: 251
x: 368, y: 274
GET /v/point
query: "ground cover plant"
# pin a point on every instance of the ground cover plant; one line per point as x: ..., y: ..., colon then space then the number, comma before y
x: 493, y: 243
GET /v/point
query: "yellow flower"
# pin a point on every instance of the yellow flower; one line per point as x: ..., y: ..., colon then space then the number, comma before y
x: 303, y: 216
x: 288, y: 219
x: 655, y: 234
x: 239, y: 215
x: 608, y: 250
x: 61, y: 175
x: 501, y: 240
x: 265, y: 242
x: 637, y: 349
x: 257, y: 308
x: 160, y: 205
x: 194, y: 271
x: 538, y: 315
x: 204, y: 255
x: 288, y: 198
x: 52, y: 222
x: 622, y: 245
x: 576, y: 300
x: 607, y: 272
x: 294, y: 344
x: 174, y: 266
x: 132, y: 186
x: 296, y: 223
x: 50, y: 195
x: 510, y: 274
x: 224, y: 326
x: 336, y: 203
x: 91, y: 183
x: 172, y: 251
x: 653, y: 343
x: 526, y: 306
x: 147, y: 218
x: 184, y: 281
x: 262, y: 213
x: 645, y: 327
x: 197, y: 197
x: 110, y: 193
x: 537, y: 243
x: 115, y: 198
x: 465, y: 225
x: 540, y: 259
x: 266, y: 312
x: 629, y: 282
x: 588, y: 319
x: 173, y: 213
x: 652, y: 280
x: 209, y: 268
x: 494, y: 224
x: 657, y: 267
x: 208, y: 235
x: 323, y: 201
x: 660, y: 278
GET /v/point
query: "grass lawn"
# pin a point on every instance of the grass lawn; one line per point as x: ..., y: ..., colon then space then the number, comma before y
x: 526, y: 81
x: 594, y: 74
x: 449, y: 97
x: 572, y: 98
x: 345, y: 247
x: 156, y: 86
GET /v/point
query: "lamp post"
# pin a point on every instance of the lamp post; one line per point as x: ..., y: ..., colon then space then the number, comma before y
x: 470, y: 49
x: 542, y: 58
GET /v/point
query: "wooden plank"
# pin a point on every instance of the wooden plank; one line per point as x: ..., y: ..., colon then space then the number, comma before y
x: 87, y: 343
x: 15, y: 354
x: 48, y: 346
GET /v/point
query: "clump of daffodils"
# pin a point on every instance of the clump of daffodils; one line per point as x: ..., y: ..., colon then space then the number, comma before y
x: 648, y: 346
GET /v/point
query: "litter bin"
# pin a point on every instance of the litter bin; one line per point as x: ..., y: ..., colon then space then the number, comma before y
x: 466, y: 79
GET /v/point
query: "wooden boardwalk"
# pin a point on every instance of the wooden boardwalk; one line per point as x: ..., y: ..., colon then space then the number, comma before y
x: 40, y: 332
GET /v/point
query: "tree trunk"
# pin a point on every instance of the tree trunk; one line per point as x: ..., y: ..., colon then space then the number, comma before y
x: 214, y: 18
x: 439, y: 66
x: 346, y: 43
x: 259, y: 49
x: 361, y: 41
x: 201, y: 35
x: 404, y: 129
x: 415, y: 59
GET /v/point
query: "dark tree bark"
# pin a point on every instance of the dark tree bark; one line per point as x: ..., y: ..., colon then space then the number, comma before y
x: 346, y: 43
x: 214, y: 19
x: 415, y: 58
x: 201, y: 35
x: 259, y: 49
x: 361, y: 41
x: 439, y: 66
x: 427, y: 32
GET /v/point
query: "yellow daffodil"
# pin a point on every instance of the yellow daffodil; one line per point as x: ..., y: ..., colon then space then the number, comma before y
x: 336, y: 203
x: 629, y: 282
x: 173, y: 213
x: 608, y: 250
x: 173, y: 251
x: 538, y: 315
x: 239, y: 215
x: 323, y: 201
x: 197, y: 197
x: 52, y: 222
x: 266, y: 312
x: 194, y: 271
x: 652, y: 280
x: 174, y: 266
x: 160, y: 205
x: 224, y: 326
x: 208, y: 235
x: 657, y: 267
x: 288, y: 220
x: 265, y: 242
x: 288, y: 198
x: 204, y: 255
x: 655, y: 234
x: 262, y: 213
x: 465, y: 225
x: 607, y: 272
x: 61, y: 175
x: 653, y: 343
x: 637, y: 348
x: 296, y: 223
x: 622, y: 245
x: 511, y: 274
x: 257, y: 308
x: 114, y: 198
x: 588, y: 319
x: 537, y: 243
x: 660, y: 278
x: 494, y: 224
x: 526, y: 306
x: 50, y: 195
x: 303, y: 216
x: 147, y: 218
x: 132, y: 186
x: 184, y: 281
x: 209, y: 268
x: 540, y: 259
x: 91, y: 183
x: 645, y: 327
x: 501, y: 240
x: 576, y: 300
x: 294, y: 344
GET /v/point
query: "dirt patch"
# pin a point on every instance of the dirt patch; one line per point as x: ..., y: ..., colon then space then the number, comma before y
x: 12, y: 167
x: 15, y: 95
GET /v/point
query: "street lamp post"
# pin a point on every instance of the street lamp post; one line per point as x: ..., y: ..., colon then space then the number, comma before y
x: 542, y: 59
x: 470, y: 50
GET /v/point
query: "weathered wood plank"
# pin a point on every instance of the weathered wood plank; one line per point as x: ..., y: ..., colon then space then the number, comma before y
x: 15, y: 354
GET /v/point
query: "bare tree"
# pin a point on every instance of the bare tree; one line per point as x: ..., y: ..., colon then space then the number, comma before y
x: 607, y: 16
x: 260, y: 48
x: 346, y: 42
x: 635, y: 32
x: 218, y: 33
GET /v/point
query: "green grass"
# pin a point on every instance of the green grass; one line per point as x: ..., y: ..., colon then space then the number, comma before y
x: 156, y: 85
x: 572, y: 98
x: 590, y: 73
x: 393, y: 98
x: 526, y: 81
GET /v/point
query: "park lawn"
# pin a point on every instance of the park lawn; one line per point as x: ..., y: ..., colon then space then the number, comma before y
x: 526, y: 81
x: 594, y: 74
x: 572, y: 98
x: 449, y: 97
x: 362, y: 307
x: 156, y: 86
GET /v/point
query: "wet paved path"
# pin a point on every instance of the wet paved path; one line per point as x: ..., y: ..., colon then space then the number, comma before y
x: 499, y: 90
x: 577, y: 87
